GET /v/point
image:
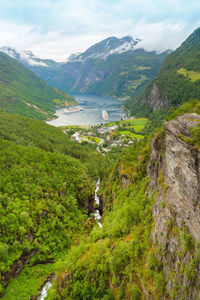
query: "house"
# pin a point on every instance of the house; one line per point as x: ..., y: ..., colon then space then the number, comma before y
x: 76, y: 137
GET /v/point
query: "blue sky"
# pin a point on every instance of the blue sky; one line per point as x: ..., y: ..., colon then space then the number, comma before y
x: 57, y: 28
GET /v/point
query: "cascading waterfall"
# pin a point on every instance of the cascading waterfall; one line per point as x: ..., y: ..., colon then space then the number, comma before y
x: 44, y: 290
x: 96, y: 199
x: 97, y: 217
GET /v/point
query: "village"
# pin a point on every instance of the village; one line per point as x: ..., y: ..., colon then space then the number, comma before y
x: 110, y: 135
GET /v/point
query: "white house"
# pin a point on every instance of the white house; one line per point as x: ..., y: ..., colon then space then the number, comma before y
x: 76, y: 137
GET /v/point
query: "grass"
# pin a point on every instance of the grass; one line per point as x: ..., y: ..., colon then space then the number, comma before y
x: 111, y: 124
x: 131, y: 134
x: 135, y: 122
x: 93, y: 139
x: 192, y: 75
x: 28, y: 282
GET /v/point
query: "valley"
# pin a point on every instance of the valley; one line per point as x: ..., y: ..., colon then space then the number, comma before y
x: 101, y: 201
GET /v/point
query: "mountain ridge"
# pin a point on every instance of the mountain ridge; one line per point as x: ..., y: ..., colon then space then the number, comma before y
x: 22, y: 92
x: 176, y: 82
x: 114, y: 67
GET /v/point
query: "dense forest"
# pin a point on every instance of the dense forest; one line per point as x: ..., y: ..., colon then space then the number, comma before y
x: 120, y: 260
x: 148, y: 246
x: 47, y: 187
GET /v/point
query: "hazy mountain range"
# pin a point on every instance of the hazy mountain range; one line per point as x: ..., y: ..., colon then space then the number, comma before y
x: 114, y: 67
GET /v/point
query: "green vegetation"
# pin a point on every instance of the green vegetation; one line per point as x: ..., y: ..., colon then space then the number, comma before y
x: 47, y: 187
x: 108, y: 263
x: 93, y: 139
x: 22, y: 92
x: 177, y: 82
x: 133, y: 135
x: 124, y: 76
x: 193, y: 76
x: 29, y: 281
x: 46, y: 182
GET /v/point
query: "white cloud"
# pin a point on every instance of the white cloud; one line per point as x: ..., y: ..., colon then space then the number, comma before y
x: 57, y: 28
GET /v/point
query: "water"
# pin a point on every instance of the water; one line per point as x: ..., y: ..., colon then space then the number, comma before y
x: 93, y: 106
x: 96, y: 199
x: 45, y: 291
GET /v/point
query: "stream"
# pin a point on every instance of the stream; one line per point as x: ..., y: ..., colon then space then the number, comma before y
x: 44, y: 290
x: 97, y: 217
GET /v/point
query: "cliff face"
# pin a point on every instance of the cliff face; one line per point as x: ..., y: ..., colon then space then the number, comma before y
x: 155, y: 100
x: 174, y: 170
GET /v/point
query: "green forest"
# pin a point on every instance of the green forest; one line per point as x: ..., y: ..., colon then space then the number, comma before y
x: 22, y: 92
x: 49, y: 187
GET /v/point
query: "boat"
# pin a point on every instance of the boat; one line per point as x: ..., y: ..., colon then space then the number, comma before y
x: 104, y: 115
x: 72, y: 109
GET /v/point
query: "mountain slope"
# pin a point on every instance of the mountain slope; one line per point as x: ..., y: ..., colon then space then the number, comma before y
x: 177, y: 82
x: 43, y: 68
x: 112, y: 67
x: 148, y: 246
x: 22, y: 92
x: 47, y: 185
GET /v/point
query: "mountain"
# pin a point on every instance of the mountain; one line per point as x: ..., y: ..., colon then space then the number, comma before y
x: 148, y: 245
x: 43, y: 68
x: 105, y: 48
x: 177, y: 81
x: 113, y: 67
x: 22, y: 92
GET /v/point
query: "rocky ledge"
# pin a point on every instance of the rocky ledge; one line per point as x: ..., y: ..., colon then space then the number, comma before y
x: 174, y: 171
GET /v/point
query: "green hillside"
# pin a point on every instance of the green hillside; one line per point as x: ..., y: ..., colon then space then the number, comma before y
x: 178, y: 80
x: 46, y: 189
x: 119, y: 75
x: 22, y: 92
x: 124, y: 259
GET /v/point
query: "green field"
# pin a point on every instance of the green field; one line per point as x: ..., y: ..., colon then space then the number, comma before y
x: 135, y: 122
x: 111, y: 124
x: 131, y: 134
x: 94, y: 139
x: 192, y: 75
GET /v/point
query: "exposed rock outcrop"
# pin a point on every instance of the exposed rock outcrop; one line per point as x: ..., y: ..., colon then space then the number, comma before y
x: 155, y: 100
x: 174, y: 170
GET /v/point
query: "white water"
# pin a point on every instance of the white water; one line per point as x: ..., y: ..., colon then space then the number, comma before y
x: 97, y: 215
x: 45, y: 290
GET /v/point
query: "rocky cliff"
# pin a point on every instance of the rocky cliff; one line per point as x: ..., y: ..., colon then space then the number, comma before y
x: 155, y: 100
x: 174, y: 170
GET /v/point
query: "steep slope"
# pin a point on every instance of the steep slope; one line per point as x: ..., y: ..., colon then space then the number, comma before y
x: 177, y: 81
x: 47, y: 188
x: 112, y: 67
x: 43, y: 68
x: 22, y: 92
x: 148, y: 247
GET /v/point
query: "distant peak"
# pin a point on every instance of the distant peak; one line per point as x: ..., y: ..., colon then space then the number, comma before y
x: 27, y: 57
x: 109, y: 46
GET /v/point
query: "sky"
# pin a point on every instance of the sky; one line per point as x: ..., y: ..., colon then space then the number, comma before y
x: 57, y: 28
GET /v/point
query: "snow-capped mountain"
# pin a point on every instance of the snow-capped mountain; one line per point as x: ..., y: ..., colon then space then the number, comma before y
x: 105, y: 48
x: 44, y: 68
x: 26, y: 57
x: 113, y: 67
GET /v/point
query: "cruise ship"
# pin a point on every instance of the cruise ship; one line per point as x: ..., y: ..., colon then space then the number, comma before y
x: 72, y: 109
x: 104, y: 115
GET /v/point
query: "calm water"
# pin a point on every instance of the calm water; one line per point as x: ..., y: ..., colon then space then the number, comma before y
x: 92, y: 111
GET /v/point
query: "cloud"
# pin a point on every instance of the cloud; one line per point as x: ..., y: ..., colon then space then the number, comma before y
x: 57, y: 28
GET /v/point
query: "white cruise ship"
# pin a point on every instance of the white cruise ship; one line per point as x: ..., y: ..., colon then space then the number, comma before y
x: 104, y: 115
x: 72, y: 109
